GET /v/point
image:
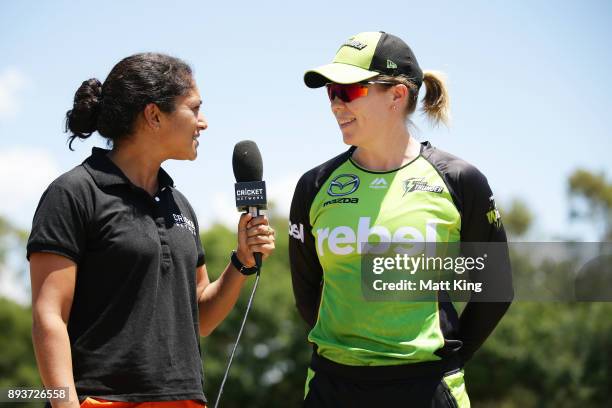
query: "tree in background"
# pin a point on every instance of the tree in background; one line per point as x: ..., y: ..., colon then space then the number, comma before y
x: 547, y: 354
x: 11, y: 238
x: 517, y: 219
x: 591, y: 198
x: 17, y: 361
x: 12, y: 245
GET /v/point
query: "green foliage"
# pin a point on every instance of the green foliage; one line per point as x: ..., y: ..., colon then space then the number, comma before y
x: 17, y: 361
x: 517, y: 219
x: 11, y: 239
x: 595, y: 191
x: 5, y: 232
x: 592, y: 186
x: 546, y: 355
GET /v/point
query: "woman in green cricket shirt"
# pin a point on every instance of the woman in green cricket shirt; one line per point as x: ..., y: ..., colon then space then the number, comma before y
x: 390, y: 190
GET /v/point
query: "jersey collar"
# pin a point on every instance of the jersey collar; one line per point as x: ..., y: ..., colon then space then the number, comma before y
x: 106, y: 173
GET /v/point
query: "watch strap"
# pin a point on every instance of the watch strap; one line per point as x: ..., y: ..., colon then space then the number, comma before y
x: 240, y: 266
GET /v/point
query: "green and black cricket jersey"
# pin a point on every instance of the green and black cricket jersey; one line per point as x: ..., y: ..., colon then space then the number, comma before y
x: 133, y: 324
x: 338, y: 207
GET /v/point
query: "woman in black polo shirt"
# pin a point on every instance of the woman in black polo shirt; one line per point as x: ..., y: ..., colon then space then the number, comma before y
x: 120, y: 291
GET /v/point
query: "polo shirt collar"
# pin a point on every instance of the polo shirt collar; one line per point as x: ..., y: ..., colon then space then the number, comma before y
x: 106, y: 173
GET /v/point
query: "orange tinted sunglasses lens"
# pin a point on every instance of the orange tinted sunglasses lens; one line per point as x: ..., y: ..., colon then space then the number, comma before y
x: 346, y: 92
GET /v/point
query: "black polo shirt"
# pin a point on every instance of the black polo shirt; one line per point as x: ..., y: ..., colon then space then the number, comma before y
x: 133, y: 325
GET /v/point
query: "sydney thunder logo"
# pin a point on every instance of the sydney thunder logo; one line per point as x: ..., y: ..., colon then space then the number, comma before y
x: 419, y: 184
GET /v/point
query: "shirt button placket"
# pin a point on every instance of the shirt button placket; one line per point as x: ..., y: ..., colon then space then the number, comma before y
x: 161, y: 231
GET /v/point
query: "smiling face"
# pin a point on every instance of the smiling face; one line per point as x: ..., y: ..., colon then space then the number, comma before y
x: 182, y: 127
x: 361, y: 119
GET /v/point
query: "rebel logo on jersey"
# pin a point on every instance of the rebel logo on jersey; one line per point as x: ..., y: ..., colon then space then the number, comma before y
x: 343, y: 185
x: 419, y: 184
x: 296, y: 231
x: 377, y: 239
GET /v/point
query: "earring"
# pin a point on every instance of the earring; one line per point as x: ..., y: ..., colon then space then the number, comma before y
x: 393, y: 107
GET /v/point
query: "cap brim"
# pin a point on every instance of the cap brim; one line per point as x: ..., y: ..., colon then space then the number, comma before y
x: 338, y: 73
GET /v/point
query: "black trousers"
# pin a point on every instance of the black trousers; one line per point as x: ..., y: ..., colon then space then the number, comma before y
x: 330, y: 391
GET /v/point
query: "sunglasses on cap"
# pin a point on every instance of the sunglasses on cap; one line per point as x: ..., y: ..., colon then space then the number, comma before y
x: 350, y: 92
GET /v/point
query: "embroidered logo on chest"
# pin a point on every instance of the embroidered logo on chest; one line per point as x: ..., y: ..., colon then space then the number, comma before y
x: 184, y: 222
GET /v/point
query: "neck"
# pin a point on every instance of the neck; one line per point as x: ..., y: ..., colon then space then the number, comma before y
x: 387, y: 153
x: 139, y: 162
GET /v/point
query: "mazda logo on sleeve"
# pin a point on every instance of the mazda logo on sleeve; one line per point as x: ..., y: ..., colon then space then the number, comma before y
x: 342, y: 185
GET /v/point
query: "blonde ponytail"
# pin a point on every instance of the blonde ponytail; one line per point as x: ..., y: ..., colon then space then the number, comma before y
x: 436, y: 103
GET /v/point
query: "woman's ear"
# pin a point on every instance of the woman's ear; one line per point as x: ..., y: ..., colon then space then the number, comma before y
x: 400, y: 92
x: 152, y: 116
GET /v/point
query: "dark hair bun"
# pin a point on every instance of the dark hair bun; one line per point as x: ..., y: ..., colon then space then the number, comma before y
x: 133, y: 83
x: 82, y: 119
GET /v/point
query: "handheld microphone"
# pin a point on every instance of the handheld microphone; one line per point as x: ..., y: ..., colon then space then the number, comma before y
x: 249, y: 189
x: 251, y: 197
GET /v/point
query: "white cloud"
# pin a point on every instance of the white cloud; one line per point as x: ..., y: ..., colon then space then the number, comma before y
x: 12, y: 82
x: 24, y: 175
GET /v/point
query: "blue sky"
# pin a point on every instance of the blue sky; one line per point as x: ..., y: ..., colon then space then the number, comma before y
x: 529, y: 83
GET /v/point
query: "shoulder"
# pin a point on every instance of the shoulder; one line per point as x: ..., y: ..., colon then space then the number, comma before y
x: 75, y: 183
x: 65, y: 205
x: 462, y: 175
x: 178, y: 195
x: 314, y: 178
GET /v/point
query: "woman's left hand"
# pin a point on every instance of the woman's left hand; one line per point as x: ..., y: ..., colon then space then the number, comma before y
x: 254, y: 235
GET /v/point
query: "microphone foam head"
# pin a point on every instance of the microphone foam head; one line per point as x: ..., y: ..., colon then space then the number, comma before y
x: 246, y: 162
